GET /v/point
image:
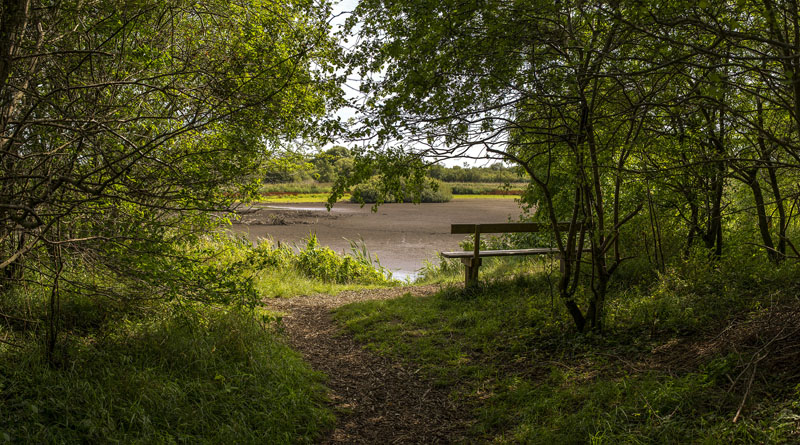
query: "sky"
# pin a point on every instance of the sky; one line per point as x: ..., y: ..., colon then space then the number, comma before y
x: 341, y: 10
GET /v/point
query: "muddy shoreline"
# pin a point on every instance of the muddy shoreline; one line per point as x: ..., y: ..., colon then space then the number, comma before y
x: 402, y: 236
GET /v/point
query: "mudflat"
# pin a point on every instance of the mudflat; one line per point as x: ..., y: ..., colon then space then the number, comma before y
x: 402, y: 236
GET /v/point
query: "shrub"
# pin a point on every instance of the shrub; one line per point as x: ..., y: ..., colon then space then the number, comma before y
x: 321, y: 263
x: 325, y: 264
x: 374, y: 191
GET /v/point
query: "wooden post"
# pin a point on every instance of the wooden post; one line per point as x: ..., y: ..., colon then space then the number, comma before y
x: 472, y: 271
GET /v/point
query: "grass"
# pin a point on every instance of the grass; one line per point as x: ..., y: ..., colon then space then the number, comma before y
x: 460, y: 197
x: 661, y: 374
x: 208, y: 375
x: 487, y: 188
x: 286, y: 283
x: 194, y: 366
x: 323, y: 198
x: 313, y: 269
x: 300, y: 197
x: 305, y: 187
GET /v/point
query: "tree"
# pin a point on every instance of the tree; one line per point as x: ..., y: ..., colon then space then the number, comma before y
x: 532, y: 83
x: 332, y: 163
x: 123, y: 124
x: 607, y: 106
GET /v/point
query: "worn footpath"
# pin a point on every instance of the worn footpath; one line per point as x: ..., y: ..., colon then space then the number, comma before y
x: 376, y: 399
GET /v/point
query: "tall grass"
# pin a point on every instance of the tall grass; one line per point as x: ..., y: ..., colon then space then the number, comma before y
x: 199, y: 375
x: 320, y: 263
x: 296, y: 187
x: 483, y: 188
x: 201, y: 362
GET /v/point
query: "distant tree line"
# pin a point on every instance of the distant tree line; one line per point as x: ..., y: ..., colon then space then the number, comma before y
x: 338, y: 161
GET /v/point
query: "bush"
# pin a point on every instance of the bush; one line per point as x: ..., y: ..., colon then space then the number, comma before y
x: 325, y: 264
x: 374, y: 191
x: 321, y: 263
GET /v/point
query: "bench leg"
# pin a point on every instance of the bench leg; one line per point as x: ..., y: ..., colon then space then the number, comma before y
x: 471, y: 270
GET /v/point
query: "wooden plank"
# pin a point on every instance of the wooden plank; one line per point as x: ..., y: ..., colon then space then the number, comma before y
x: 505, y: 227
x: 514, y: 252
x: 510, y: 252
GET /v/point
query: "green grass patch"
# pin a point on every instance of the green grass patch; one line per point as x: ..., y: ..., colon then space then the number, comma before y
x: 289, y: 282
x: 199, y: 375
x: 302, y: 187
x: 508, y: 350
x: 309, y: 191
x: 299, y: 198
x: 460, y: 197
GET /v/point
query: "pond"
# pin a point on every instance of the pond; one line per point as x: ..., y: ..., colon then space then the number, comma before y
x: 401, y: 236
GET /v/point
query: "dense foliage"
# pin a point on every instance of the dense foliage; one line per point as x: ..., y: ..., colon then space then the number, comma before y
x: 124, y: 125
x: 659, y: 127
x: 374, y: 191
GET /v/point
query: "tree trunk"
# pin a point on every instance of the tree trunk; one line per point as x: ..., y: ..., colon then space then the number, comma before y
x: 761, y: 212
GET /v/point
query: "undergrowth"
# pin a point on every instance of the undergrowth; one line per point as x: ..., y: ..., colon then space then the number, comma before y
x: 702, y: 353
x: 283, y: 271
x: 187, y: 356
x: 208, y: 375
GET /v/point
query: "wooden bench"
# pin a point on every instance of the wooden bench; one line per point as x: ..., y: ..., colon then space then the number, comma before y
x: 472, y: 260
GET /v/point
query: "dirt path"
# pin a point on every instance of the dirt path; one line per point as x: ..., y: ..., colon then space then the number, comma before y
x: 376, y: 399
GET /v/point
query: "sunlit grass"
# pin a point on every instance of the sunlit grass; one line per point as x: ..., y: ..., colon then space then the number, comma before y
x: 300, y: 198
x: 509, y: 349
x: 298, y: 187
x: 286, y: 283
x: 465, y: 197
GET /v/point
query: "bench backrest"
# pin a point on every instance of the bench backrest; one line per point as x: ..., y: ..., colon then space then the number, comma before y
x: 505, y: 227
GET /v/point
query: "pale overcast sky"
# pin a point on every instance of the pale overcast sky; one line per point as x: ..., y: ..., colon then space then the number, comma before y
x: 341, y: 11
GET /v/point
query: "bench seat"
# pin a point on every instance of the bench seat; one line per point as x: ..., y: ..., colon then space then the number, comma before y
x: 514, y: 252
x: 472, y: 259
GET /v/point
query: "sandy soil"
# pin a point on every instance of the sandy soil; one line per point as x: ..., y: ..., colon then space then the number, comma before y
x: 402, y: 236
